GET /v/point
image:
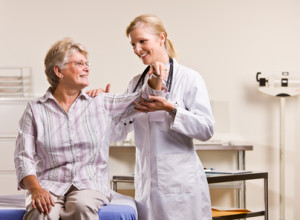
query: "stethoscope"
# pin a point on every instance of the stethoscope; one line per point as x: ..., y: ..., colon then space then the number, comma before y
x: 169, y: 80
x: 142, y: 79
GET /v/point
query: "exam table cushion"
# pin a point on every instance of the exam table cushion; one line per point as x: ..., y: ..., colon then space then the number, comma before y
x: 109, y: 212
x: 120, y: 208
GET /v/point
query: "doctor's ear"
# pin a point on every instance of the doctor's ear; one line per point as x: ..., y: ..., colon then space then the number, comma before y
x: 57, y: 71
x: 162, y: 37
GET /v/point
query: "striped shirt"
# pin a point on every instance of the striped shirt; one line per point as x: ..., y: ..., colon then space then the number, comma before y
x: 71, y: 148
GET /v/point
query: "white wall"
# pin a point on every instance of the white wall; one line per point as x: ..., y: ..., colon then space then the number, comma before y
x: 227, y: 41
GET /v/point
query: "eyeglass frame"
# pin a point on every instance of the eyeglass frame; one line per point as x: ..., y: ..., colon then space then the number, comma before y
x: 80, y: 63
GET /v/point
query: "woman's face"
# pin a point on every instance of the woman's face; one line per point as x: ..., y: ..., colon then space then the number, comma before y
x: 147, y: 46
x: 77, y: 72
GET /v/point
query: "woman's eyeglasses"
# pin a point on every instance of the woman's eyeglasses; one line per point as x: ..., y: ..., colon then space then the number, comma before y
x: 80, y: 63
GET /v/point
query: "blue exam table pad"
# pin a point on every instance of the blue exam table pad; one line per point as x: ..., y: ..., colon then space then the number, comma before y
x: 108, y: 212
x: 120, y: 208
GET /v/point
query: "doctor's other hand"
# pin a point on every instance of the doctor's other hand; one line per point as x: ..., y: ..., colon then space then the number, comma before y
x: 94, y: 92
x: 42, y: 200
x: 156, y: 103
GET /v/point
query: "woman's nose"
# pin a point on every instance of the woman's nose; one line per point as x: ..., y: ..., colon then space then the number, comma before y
x: 137, y: 50
x: 86, y: 68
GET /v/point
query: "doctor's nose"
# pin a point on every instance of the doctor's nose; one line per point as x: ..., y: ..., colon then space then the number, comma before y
x: 137, y: 50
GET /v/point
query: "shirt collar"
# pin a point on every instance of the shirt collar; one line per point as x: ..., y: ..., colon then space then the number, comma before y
x: 49, y: 95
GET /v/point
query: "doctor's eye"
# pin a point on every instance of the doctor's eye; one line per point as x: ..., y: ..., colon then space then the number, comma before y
x: 143, y: 41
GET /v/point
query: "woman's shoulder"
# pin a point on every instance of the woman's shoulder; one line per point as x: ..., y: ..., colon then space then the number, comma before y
x: 35, y: 101
x: 41, y: 98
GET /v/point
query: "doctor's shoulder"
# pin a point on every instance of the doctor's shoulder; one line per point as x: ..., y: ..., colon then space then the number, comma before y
x: 133, y: 82
x: 190, y: 74
x: 132, y: 85
x: 135, y: 78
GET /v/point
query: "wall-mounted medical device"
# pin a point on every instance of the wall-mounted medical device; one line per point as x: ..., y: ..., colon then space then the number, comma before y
x: 278, y: 84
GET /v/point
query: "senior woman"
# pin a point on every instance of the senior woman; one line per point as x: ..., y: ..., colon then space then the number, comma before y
x: 61, y: 154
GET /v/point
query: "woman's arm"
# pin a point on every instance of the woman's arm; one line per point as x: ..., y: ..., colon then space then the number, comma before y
x: 25, y: 163
x: 40, y: 198
x: 158, y: 71
x: 121, y: 126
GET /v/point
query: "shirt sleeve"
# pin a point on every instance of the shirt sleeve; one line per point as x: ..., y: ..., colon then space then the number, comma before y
x: 124, y: 119
x: 119, y: 131
x: 194, y: 117
x: 25, y: 147
x: 122, y: 106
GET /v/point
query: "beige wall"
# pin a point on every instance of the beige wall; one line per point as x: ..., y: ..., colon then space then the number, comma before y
x: 227, y: 41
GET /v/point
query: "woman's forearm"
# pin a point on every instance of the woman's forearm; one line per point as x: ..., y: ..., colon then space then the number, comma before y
x: 31, y: 182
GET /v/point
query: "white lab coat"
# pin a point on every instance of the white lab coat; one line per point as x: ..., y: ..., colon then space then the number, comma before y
x: 170, y: 182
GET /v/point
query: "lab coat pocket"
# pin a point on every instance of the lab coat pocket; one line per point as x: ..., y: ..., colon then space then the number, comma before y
x: 176, y: 173
x: 161, y: 119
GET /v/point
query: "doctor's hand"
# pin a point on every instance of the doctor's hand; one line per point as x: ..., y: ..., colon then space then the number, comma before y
x: 42, y: 200
x: 94, y: 92
x: 159, y: 69
x: 157, y: 103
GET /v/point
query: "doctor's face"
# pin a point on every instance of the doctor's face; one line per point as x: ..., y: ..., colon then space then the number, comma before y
x: 147, y: 46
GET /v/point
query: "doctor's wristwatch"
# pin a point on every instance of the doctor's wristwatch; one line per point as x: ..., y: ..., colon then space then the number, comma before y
x: 174, y: 111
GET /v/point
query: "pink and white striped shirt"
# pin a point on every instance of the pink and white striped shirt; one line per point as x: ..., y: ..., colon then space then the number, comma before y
x: 71, y: 148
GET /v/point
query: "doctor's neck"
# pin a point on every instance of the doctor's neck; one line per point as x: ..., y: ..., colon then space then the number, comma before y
x: 162, y: 57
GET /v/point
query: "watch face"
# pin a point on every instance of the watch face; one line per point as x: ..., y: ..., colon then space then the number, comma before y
x: 173, y: 112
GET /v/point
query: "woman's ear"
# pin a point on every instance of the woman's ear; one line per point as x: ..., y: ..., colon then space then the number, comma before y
x: 58, y: 73
x: 162, y: 38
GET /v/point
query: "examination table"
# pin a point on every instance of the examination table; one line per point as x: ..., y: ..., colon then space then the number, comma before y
x: 120, y: 208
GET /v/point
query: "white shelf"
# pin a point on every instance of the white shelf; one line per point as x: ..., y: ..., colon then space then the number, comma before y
x: 14, y: 81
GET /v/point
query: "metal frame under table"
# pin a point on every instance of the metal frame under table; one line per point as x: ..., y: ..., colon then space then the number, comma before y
x: 219, y: 178
x: 240, y: 161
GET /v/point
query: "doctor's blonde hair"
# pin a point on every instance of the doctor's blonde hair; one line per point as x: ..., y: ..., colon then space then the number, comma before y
x: 157, y: 27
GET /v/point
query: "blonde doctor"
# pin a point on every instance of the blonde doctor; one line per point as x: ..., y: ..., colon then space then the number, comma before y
x: 170, y: 183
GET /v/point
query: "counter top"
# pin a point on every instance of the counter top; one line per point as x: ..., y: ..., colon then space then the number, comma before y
x: 199, y: 147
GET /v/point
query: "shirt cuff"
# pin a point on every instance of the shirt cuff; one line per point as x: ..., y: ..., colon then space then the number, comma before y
x: 147, y: 90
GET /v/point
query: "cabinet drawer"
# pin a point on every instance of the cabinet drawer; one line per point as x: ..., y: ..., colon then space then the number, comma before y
x: 8, y: 182
x: 10, y: 115
x: 7, y: 149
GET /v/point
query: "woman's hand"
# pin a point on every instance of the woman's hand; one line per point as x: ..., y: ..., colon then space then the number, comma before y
x: 42, y: 200
x: 95, y: 92
x: 156, y: 103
